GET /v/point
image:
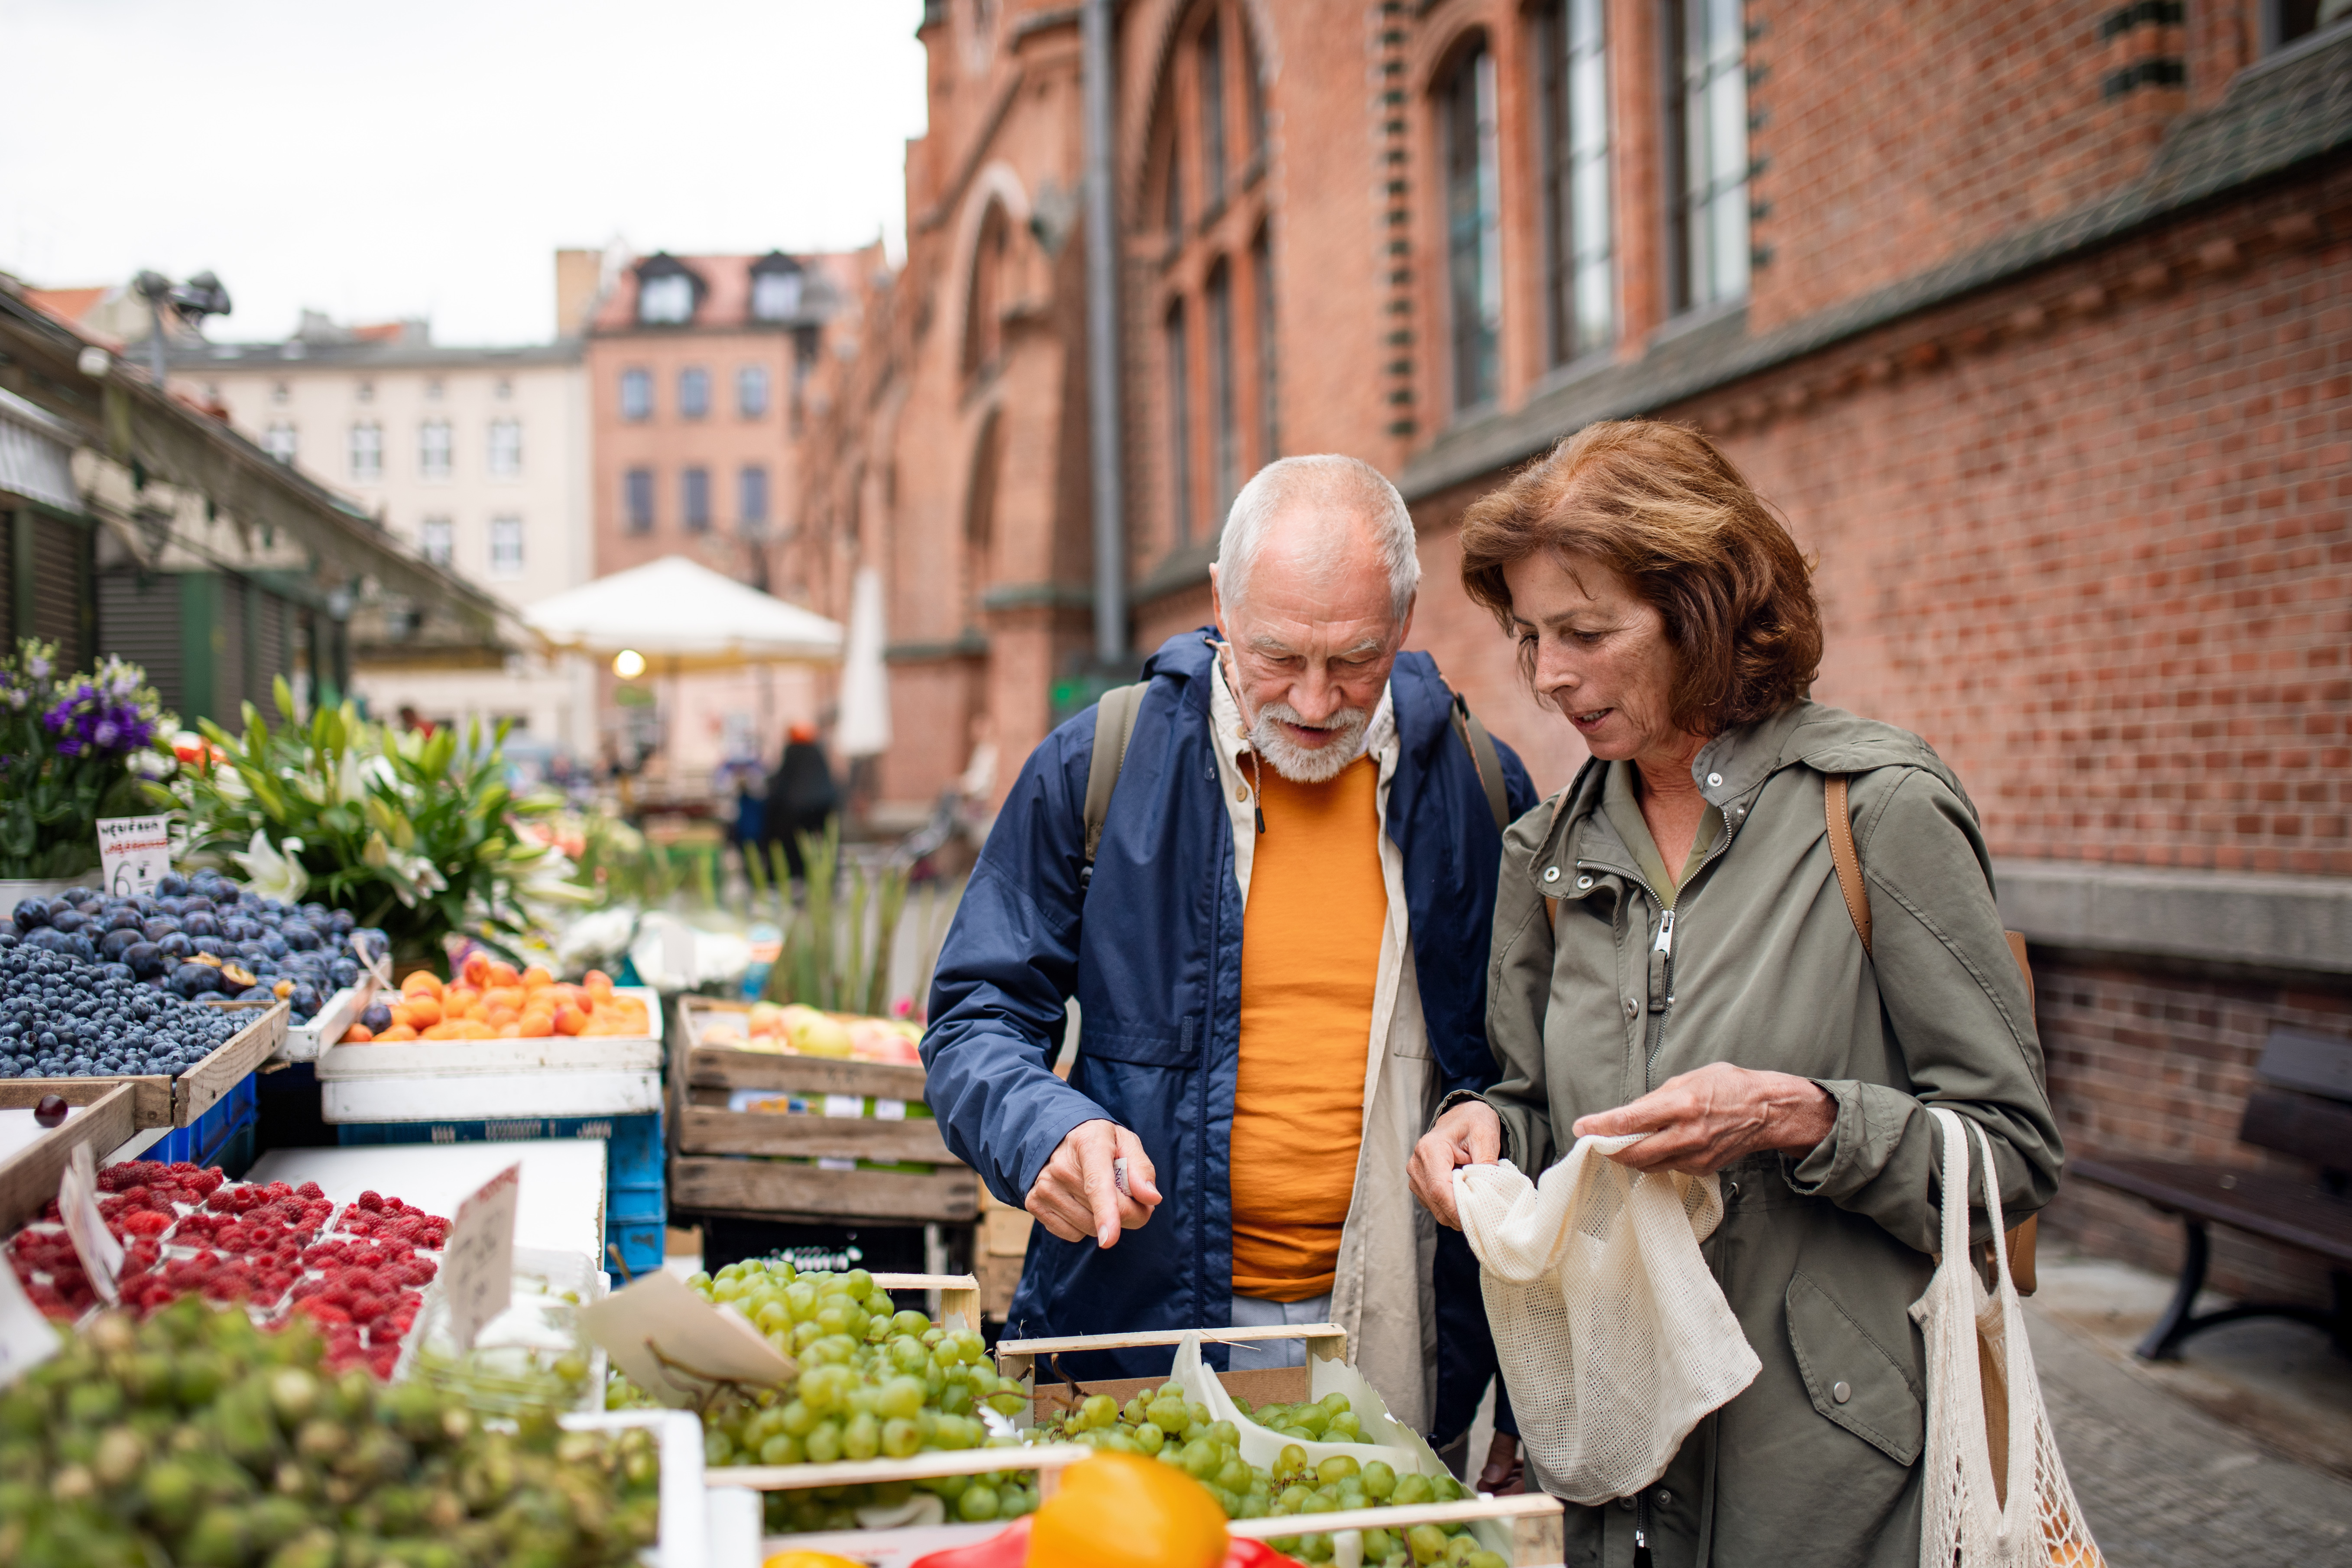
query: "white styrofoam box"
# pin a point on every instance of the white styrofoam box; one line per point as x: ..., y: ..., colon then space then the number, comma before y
x: 474, y: 1097
x: 684, y: 1540
x: 559, y: 1208
x: 304, y: 1042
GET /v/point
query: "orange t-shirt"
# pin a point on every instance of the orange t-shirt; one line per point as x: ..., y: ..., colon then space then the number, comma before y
x: 1310, y: 959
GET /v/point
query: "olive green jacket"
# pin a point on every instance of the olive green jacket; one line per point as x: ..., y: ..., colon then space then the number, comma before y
x: 1820, y: 1256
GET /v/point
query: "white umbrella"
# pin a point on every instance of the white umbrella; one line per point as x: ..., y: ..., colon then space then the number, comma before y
x: 683, y: 616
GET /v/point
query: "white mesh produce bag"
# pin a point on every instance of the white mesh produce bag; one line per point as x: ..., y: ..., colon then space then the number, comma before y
x: 1613, y: 1337
x: 1997, y: 1493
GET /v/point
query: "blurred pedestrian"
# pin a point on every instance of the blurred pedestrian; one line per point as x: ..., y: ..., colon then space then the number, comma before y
x: 801, y: 794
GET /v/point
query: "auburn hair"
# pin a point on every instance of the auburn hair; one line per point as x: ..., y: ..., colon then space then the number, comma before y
x: 1661, y: 506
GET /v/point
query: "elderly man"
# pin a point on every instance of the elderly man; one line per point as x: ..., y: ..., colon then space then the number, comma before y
x: 1278, y: 953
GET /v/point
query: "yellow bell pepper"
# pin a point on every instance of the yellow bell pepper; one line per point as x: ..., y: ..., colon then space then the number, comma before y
x: 1119, y: 1510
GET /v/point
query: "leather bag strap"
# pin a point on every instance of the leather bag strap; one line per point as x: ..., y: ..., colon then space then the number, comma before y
x: 1114, y: 727
x: 1843, y: 855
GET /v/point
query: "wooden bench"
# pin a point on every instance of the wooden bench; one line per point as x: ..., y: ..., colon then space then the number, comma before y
x: 2302, y: 1107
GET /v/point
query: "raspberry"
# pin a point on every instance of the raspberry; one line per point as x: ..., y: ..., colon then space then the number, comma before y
x: 372, y: 1201
x: 310, y: 1190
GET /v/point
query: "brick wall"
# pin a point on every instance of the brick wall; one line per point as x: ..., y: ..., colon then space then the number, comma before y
x: 2159, y: 1065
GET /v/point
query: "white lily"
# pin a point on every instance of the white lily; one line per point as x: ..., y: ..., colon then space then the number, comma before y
x: 274, y: 873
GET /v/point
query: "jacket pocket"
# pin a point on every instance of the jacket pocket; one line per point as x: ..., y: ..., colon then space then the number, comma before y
x: 1851, y: 1378
x: 1144, y: 1048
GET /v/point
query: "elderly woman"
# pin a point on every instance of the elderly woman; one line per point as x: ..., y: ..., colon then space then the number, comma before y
x: 1673, y: 955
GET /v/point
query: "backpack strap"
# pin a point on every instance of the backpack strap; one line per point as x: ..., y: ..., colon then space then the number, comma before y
x: 1113, y: 728
x: 1484, y: 759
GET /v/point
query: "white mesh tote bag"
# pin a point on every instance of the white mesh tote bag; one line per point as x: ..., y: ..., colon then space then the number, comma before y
x: 1613, y: 1337
x: 1997, y: 1495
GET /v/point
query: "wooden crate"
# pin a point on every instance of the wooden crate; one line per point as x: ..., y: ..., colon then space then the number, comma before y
x: 709, y: 1172
x: 160, y: 1101
x: 1050, y: 1395
x: 28, y: 1178
x: 952, y: 1299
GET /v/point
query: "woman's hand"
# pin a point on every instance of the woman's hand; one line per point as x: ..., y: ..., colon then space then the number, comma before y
x: 1701, y: 1122
x: 1469, y: 1134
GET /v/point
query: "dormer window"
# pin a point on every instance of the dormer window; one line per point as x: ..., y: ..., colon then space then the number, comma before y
x: 667, y: 291
x: 775, y: 288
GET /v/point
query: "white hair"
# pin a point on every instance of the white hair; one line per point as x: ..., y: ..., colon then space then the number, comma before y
x: 1326, y: 482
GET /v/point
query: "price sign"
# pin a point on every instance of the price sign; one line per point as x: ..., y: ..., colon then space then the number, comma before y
x: 478, y: 1265
x: 135, y: 853
x: 102, y: 1255
x: 27, y: 1338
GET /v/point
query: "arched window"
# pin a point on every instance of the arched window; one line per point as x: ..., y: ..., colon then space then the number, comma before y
x: 983, y: 321
x: 1204, y: 204
x: 979, y: 512
x: 1474, y: 223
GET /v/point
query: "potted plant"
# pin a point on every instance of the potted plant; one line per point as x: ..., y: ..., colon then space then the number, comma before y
x: 412, y: 833
x: 73, y: 748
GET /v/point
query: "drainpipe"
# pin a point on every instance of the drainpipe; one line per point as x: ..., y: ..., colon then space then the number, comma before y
x: 1102, y: 340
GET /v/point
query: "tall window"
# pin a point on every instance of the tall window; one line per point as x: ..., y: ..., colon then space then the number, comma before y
x: 1224, y: 438
x: 1180, y: 422
x: 980, y: 513
x: 694, y: 499
x: 1708, y: 120
x: 1212, y: 116
x: 504, y: 455
x: 638, y: 499
x: 281, y: 441
x: 693, y: 393
x: 983, y: 325
x: 1171, y: 194
x: 1579, y: 236
x: 1269, y: 383
x: 436, y: 540
x: 751, y: 390
x: 433, y: 449
x: 637, y: 395
x: 367, y: 452
x: 751, y: 496
x: 506, y: 546
x: 1473, y: 229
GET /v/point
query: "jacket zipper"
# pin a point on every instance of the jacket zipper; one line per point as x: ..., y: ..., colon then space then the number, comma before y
x: 1662, y: 992
x: 1642, y: 1557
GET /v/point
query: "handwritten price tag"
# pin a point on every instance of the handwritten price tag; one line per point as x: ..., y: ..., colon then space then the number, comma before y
x: 135, y: 853
x: 26, y: 1340
x: 478, y: 1265
x: 102, y: 1255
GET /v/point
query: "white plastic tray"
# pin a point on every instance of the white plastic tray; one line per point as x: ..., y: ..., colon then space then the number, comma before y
x: 473, y: 1096
x: 303, y: 1042
x: 685, y: 1541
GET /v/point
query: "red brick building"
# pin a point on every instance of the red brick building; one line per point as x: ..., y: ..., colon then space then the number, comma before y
x: 2033, y: 318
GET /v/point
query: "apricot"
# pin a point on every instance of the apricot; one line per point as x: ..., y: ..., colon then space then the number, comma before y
x: 358, y: 1034
x: 536, y: 976
x: 503, y: 974
x: 536, y: 1026
x: 424, y: 1010
x: 396, y: 1033
x: 476, y: 970
x: 423, y: 982
x: 458, y: 998
x: 439, y: 1032
x: 570, y: 1020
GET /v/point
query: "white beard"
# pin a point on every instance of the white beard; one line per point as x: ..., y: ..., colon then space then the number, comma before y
x: 1299, y: 763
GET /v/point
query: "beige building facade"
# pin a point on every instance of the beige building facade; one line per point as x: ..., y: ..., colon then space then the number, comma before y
x: 477, y: 459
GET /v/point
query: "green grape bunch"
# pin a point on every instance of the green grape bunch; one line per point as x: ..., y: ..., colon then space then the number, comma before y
x: 873, y: 1381
x: 196, y: 1440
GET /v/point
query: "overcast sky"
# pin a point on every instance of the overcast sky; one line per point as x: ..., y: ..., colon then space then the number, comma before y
x: 427, y: 158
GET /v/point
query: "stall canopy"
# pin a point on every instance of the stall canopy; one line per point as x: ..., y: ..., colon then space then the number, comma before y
x: 683, y: 616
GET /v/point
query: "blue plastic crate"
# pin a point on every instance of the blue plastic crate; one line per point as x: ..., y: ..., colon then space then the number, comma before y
x: 201, y: 1140
x: 640, y: 1245
x: 634, y: 1205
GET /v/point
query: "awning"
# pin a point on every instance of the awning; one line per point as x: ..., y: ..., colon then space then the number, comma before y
x: 37, y: 454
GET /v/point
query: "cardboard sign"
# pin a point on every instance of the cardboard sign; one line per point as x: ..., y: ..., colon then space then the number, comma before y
x: 27, y: 1338
x: 478, y: 1265
x: 135, y: 853
x: 675, y: 1345
x: 102, y: 1255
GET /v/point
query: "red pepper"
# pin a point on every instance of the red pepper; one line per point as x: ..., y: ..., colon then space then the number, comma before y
x: 1243, y: 1553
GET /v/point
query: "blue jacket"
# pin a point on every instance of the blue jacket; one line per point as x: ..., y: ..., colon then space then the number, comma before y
x: 1157, y: 974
